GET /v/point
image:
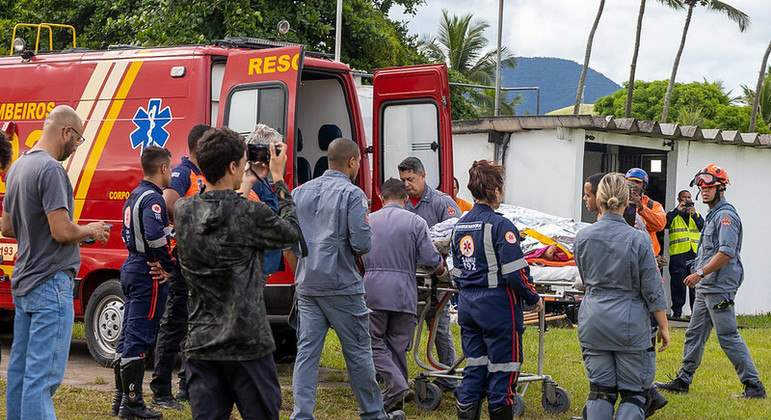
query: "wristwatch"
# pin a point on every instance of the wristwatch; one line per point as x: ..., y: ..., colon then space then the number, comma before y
x: 700, y: 273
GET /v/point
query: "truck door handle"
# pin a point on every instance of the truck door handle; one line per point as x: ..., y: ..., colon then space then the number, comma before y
x: 434, y: 146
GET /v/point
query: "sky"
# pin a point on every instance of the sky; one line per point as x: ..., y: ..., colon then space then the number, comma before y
x: 715, y: 48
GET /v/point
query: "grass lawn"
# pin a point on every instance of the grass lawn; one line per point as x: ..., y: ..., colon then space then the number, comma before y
x: 711, y: 395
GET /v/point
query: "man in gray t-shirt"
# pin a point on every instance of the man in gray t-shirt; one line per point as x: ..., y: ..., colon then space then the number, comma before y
x: 37, y: 211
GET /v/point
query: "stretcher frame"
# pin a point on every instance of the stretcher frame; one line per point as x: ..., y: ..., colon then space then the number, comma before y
x: 554, y: 399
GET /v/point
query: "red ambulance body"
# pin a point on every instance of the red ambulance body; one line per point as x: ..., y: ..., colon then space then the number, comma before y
x: 133, y: 98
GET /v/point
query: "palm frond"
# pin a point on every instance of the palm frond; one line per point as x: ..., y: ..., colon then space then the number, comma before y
x: 674, y: 4
x: 736, y: 15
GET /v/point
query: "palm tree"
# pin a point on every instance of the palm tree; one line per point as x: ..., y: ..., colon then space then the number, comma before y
x: 674, y: 4
x: 760, y: 91
x: 461, y: 45
x: 732, y: 13
x: 587, y: 56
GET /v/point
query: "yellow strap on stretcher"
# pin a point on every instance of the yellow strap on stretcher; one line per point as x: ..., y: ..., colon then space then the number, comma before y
x: 546, y: 240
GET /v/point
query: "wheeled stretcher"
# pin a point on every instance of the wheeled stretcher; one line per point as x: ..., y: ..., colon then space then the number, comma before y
x: 433, y: 298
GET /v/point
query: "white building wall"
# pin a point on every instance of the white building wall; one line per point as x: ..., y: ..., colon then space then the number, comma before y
x: 544, y: 171
x: 749, y: 169
x: 466, y: 148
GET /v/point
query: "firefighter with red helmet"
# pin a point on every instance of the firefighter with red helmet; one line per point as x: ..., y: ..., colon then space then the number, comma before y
x: 717, y: 275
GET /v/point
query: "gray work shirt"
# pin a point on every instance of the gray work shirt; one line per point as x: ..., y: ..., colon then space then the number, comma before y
x: 403, y: 242
x: 37, y: 185
x: 623, y: 285
x: 332, y: 213
x: 722, y: 233
x: 434, y: 207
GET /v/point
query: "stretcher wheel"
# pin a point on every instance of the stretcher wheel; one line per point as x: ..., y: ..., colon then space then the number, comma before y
x: 559, y: 405
x: 430, y: 399
x: 518, y: 408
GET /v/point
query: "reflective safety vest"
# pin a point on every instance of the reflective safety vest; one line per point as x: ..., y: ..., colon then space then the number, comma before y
x: 682, y: 237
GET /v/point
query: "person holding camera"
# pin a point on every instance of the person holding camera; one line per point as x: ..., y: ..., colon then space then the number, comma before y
x: 685, y: 226
x: 651, y: 211
x: 221, y: 238
x: 257, y: 185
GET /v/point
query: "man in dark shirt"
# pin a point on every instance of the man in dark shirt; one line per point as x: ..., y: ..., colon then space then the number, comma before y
x: 685, y: 226
x: 221, y: 238
x: 186, y: 180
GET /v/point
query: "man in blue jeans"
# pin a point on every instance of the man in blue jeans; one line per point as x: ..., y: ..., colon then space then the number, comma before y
x: 332, y: 213
x: 37, y: 211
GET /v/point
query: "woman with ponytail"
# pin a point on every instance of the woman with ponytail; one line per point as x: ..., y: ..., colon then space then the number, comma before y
x: 623, y: 286
x: 493, y: 279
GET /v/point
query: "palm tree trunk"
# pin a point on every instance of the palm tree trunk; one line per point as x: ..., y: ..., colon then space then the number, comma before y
x: 585, y: 69
x: 633, y: 67
x: 671, y: 85
x: 759, y: 89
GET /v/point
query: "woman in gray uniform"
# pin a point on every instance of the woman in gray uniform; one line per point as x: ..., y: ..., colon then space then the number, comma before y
x: 623, y: 286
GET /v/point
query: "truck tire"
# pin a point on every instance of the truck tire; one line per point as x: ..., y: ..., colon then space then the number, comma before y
x: 104, y: 321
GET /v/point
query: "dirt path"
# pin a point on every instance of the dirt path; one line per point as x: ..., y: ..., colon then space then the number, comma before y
x: 83, y: 372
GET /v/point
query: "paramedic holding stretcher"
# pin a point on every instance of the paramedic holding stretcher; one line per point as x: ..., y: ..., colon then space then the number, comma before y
x: 492, y: 276
x: 623, y: 286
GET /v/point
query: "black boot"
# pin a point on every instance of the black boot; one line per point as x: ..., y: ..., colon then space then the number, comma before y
x: 133, y: 406
x: 675, y: 385
x: 504, y: 412
x: 469, y: 411
x: 655, y: 402
x: 116, y: 399
x: 756, y: 390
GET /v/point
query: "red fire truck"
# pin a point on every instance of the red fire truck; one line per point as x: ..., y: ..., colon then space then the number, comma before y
x: 131, y: 98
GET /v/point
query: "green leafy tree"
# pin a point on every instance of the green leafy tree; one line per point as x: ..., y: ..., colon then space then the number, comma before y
x: 733, y: 14
x: 706, y: 104
x: 370, y: 38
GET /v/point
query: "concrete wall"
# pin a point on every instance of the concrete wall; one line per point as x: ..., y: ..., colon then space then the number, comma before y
x: 748, y: 192
x: 544, y: 171
x: 466, y: 148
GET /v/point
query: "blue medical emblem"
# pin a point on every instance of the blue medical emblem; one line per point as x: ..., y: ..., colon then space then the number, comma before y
x: 151, y: 123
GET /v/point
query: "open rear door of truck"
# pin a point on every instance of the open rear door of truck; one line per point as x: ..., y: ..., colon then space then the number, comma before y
x: 412, y: 117
x: 260, y: 86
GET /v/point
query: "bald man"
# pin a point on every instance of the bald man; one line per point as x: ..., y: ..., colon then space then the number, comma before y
x: 332, y: 213
x: 37, y: 211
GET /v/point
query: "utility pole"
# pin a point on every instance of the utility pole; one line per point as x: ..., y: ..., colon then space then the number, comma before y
x: 497, y: 109
x: 338, y: 29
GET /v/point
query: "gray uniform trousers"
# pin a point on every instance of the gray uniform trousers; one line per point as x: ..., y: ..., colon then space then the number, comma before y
x: 391, y: 336
x: 704, y: 317
x: 625, y: 371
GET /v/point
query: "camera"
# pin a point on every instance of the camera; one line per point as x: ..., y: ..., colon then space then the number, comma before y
x: 260, y: 153
x: 688, y: 204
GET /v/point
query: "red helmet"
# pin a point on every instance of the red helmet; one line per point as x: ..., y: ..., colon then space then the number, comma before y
x: 711, y: 176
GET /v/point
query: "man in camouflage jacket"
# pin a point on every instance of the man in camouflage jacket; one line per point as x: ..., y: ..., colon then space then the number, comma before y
x: 221, y: 238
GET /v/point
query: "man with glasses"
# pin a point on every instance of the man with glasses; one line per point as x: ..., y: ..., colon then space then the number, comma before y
x: 37, y: 211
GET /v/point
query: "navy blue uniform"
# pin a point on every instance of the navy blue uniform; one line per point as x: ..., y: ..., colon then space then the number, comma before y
x: 146, y: 232
x: 493, y: 278
x: 272, y: 259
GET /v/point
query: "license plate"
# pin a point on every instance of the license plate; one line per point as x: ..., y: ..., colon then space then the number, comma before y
x: 8, y: 251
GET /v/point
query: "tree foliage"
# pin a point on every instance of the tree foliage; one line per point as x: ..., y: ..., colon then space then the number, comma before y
x: 705, y: 104
x: 460, y: 43
x: 370, y: 38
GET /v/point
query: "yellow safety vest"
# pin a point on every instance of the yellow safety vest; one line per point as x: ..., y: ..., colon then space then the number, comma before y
x: 682, y: 237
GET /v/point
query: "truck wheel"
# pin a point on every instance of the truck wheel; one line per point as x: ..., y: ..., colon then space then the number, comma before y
x: 104, y: 321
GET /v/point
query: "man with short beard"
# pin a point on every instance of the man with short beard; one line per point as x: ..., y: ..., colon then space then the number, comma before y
x: 37, y: 211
